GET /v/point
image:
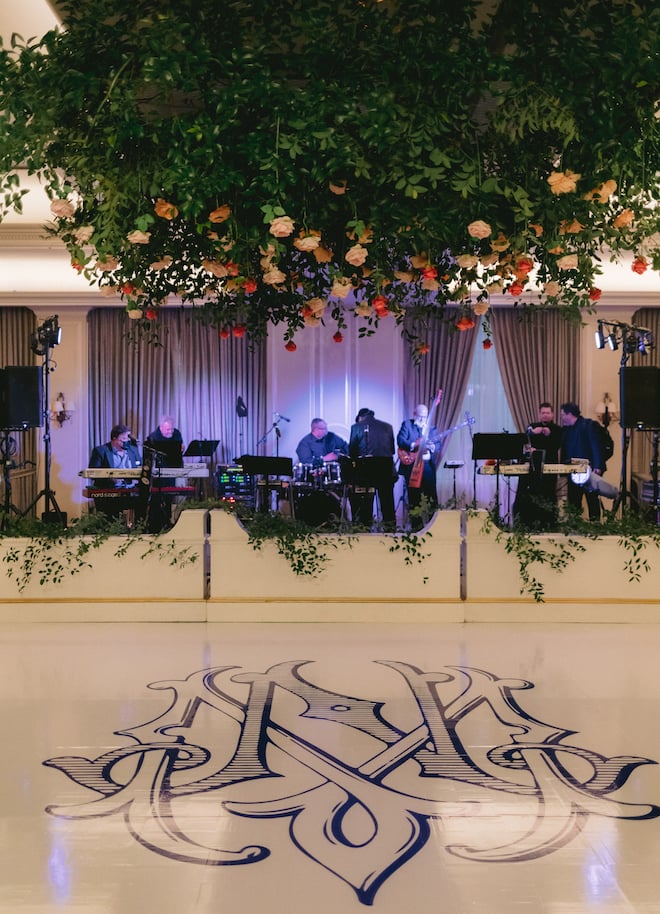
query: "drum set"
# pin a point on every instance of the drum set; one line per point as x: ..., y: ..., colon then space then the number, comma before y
x: 317, y: 492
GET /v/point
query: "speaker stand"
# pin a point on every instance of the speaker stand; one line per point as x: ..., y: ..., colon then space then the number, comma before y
x: 52, y: 513
x: 6, y: 443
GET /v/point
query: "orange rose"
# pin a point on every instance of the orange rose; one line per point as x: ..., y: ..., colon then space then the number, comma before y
x: 624, y: 219
x: 165, y: 210
x: 221, y: 214
x: 640, y: 265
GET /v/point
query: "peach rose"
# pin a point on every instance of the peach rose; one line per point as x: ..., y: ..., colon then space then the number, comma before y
x: 430, y: 285
x: 489, y: 260
x: 403, y: 276
x: 307, y: 241
x: 602, y: 193
x: 108, y: 291
x: 481, y: 307
x: 624, y: 219
x: 356, y: 255
x: 274, y: 276
x: 138, y: 237
x: 570, y: 227
x: 568, y: 262
x: 162, y: 264
x: 221, y: 214
x: 500, y: 243
x: 106, y: 264
x: 165, y: 210
x: 341, y: 287
x: 479, y: 229
x: 467, y: 261
x: 338, y: 187
x: 536, y: 228
x: 282, y: 226
x: 311, y: 320
x: 134, y: 313
x: 418, y: 261
x: 563, y: 182
x: 322, y: 254
x: 317, y: 305
x: 364, y: 309
x: 495, y: 288
x: 551, y: 288
x: 63, y: 209
x: 216, y: 268
x: 83, y: 234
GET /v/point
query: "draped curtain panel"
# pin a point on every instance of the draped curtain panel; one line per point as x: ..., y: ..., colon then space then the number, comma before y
x: 539, y: 359
x: 191, y: 374
x: 17, y: 327
x: 446, y: 367
x: 641, y: 442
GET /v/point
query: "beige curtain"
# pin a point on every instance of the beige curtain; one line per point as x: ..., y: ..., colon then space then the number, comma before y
x: 446, y: 367
x: 190, y: 374
x: 538, y: 358
x: 17, y: 326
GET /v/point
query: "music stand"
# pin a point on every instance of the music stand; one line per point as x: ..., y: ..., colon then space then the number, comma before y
x: 363, y: 475
x: 498, y: 446
x: 268, y: 467
x: 201, y: 448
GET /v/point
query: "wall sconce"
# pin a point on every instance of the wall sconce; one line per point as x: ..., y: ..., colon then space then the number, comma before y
x: 62, y: 410
x: 606, y: 410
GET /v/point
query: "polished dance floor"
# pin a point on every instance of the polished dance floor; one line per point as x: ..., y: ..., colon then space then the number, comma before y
x: 333, y: 769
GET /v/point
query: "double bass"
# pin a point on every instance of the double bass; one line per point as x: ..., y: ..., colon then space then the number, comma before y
x: 417, y: 471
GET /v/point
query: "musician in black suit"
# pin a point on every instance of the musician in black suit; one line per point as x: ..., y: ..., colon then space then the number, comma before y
x: 411, y: 435
x: 535, y: 505
x: 118, y: 453
x: 371, y: 437
x: 163, y: 448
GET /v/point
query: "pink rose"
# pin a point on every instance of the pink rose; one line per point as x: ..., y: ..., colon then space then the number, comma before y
x: 282, y: 226
x: 479, y: 229
x: 63, y: 209
x: 356, y: 255
x: 138, y: 237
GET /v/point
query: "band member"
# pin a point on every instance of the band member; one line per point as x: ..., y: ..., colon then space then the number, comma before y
x: 320, y: 444
x: 118, y: 453
x: 580, y: 438
x: 164, y: 448
x: 535, y: 505
x: 167, y: 441
x: 412, y: 434
x: 371, y: 437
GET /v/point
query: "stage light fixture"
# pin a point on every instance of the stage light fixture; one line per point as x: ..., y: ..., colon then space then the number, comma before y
x: 46, y: 336
x: 612, y: 341
x: 600, y: 336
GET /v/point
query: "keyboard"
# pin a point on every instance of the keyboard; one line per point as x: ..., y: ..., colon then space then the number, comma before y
x: 523, y: 469
x: 189, y: 471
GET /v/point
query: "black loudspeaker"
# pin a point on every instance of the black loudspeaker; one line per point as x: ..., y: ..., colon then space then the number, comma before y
x: 640, y: 397
x: 20, y: 397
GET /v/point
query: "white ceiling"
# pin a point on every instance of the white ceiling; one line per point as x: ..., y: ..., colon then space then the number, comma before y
x: 29, y: 18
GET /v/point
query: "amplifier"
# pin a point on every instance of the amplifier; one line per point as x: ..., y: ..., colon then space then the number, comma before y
x: 233, y: 484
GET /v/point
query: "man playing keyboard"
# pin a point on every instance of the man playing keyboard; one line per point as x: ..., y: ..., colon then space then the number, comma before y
x: 117, y: 454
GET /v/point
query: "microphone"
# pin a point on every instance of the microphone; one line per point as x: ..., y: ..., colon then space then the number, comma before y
x: 280, y: 416
x: 529, y: 429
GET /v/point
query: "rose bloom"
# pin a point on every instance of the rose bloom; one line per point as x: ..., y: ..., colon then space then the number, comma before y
x: 594, y: 293
x: 311, y: 320
x: 479, y: 229
x: 338, y: 337
x: 106, y: 264
x: 624, y: 219
x: 282, y: 227
x: 239, y: 331
x: 162, y: 264
x: 307, y: 242
x: 151, y: 314
x: 138, y: 237
x: 224, y: 334
x: 341, y: 287
x: 134, y: 313
x: 537, y: 229
x: 356, y: 255
x: 274, y: 276
x: 551, y: 288
x: 639, y: 265
x: 290, y: 346
x: 487, y: 344
x: 489, y: 260
x: 516, y: 288
x: 524, y: 265
x: 465, y: 323
x: 494, y: 288
x: 83, y: 234
x: 563, y: 182
x: 467, y: 261
x: 338, y: 187
x: 322, y: 254
x: 430, y: 285
x: 568, y: 262
x: 423, y: 349
x: 215, y: 267
x: 165, y: 209
x: 429, y: 272
x: 364, y: 309
x: 250, y: 285
x: 602, y: 193
x: 500, y: 243
x: 221, y: 214
x: 107, y: 291
x: 570, y: 227
x: 317, y: 305
x: 419, y: 261
x: 480, y: 308
x: 403, y: 276
x: 63, y: 209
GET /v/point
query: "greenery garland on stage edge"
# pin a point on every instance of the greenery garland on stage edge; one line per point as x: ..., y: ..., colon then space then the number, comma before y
x: 302, y: 163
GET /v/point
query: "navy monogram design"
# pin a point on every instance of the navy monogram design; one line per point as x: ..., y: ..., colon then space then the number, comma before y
x: 453, y: 745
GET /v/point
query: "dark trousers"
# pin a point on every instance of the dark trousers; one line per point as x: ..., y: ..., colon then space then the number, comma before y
x: 575, y: 494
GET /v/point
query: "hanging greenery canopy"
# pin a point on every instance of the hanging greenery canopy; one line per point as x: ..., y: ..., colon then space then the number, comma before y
x: 302, y: 162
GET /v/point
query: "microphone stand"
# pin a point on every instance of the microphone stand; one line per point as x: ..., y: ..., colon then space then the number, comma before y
x: 278, y: 435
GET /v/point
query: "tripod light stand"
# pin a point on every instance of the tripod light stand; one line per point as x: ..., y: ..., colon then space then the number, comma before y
x: 48, y: 335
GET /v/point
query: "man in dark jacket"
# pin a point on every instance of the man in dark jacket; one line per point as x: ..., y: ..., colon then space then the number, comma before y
x: 371, y: 437
x: 580, y: 438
